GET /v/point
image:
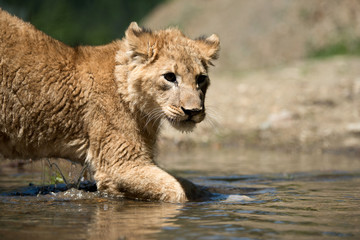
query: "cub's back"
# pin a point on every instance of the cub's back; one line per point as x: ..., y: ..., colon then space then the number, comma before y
x: 36, y: 85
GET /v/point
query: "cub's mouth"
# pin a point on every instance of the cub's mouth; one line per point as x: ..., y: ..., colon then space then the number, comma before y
x: 184, y: 120
x: 186, y: 124
x: 183, y: 125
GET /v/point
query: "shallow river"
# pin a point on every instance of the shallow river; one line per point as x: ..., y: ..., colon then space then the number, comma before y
x: 286, y: 197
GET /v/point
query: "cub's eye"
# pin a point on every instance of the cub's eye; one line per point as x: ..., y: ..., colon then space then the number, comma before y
x: 171, y: 77
x: 200, y: 79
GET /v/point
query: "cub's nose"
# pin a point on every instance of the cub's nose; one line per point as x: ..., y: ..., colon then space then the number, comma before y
x: 192, y: 112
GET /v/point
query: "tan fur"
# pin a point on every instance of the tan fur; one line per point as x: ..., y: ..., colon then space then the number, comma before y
x: 102, y: 105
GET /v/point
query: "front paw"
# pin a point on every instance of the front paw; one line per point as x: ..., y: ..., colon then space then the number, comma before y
x: 173, y: 193
x: 183, y: 190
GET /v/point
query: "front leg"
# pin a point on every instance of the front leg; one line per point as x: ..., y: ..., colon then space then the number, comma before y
x: 142, y: 181
x: 126, y: 167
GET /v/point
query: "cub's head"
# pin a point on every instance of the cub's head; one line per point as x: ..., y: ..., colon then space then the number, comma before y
x: 167, y: 74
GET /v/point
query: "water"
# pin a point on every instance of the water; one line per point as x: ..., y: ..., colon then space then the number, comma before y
x: 288, y: 197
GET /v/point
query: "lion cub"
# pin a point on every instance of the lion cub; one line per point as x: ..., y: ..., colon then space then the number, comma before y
x: 103, y: 105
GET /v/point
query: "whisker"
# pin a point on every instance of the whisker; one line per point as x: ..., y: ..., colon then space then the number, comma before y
x: 150, y: 113
x: 158, y: 117
x: 213, y: 113
x: 212, y: 119
x: 153, y: 116
x: 162, y: 121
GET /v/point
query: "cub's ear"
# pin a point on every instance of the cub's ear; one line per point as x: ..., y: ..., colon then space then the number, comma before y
x: 141, y: 43
x: 209, y: 47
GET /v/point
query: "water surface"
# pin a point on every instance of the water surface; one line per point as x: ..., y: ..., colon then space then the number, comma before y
x: 290, y: 197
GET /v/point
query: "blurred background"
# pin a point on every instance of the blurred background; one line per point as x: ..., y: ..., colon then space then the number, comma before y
x: 81, y: 22
x: 288, y: 76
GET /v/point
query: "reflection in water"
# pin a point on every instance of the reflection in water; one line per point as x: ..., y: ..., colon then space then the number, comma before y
x: 44, y: 218
x: 132, y: 220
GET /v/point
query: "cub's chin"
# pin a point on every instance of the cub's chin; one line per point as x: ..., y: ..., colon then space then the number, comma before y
x: 183, y: 126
